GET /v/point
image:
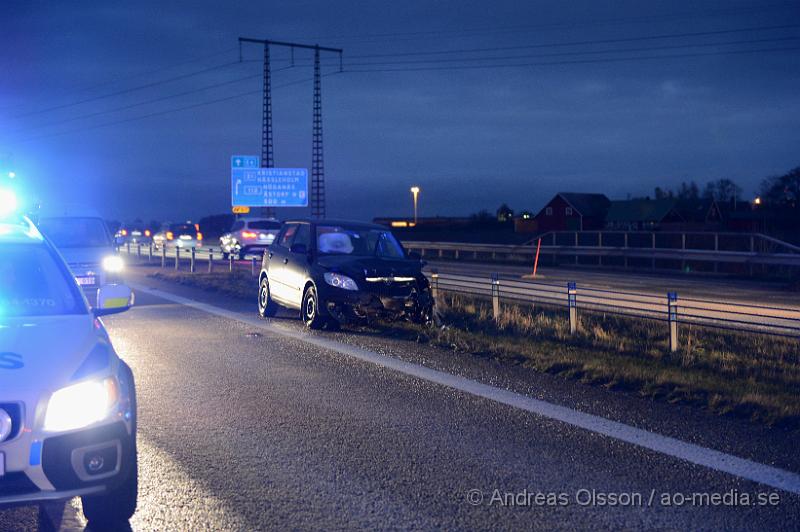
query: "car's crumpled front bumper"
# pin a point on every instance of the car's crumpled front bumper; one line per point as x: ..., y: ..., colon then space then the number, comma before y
x: 386, y: 301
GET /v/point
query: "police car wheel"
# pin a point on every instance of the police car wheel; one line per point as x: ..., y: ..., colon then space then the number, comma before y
x: 266, y: 305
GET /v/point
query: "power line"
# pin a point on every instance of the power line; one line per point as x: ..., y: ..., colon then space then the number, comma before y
x: 371, y: 38
x: 563, y: 54
x: 130, y: 89
x: 166, y: 111
x: 145, y: 102
x: 579, y: 43
x: 577, y: 62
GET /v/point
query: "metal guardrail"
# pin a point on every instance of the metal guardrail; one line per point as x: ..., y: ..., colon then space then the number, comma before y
x: 667, y: 307
x: 761, y: 250
x: 720, y: 314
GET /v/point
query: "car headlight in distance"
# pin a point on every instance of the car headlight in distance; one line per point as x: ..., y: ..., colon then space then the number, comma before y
x: 340, y: 281
x: 81, y: 405
x: 113, y: 264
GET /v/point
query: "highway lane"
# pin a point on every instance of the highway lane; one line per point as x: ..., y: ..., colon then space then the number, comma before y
x: 245, y: 427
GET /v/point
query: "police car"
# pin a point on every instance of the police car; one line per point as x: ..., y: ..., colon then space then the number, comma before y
x: 67, y: 402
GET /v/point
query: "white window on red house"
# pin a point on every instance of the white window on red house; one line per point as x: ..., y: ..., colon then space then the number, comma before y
x: 548, y: 211
x: 568, y: 211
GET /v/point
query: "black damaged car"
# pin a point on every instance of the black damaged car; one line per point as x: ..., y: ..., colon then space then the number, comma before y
x: 336, y: 271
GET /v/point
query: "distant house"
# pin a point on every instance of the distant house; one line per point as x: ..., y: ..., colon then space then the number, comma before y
x: 642, y: 214
x: 505, y: 214
x: 696, y: 215
x: 571, y: 211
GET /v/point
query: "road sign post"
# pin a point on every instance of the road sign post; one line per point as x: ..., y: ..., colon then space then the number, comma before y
x: 191, y: 261
x: 177, y: 258
x: 210, y: 260
x: 163, y: 256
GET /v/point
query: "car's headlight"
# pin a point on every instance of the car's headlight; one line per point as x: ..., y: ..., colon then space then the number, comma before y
x: 340, y: 281
x: 113, y: 264
x: 81, y: 405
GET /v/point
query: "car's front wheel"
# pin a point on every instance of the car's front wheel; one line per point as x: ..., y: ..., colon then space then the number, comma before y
x: 309, y: 311
x: 266, y: 305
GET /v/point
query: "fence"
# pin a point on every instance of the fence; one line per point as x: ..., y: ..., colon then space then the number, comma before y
x: 745, y: 253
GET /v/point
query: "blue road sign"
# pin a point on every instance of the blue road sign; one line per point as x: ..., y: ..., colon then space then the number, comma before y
x: 253, y: 186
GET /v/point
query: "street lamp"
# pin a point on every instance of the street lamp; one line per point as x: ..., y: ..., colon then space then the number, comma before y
x: 415, y: 193
x: 12, y: 175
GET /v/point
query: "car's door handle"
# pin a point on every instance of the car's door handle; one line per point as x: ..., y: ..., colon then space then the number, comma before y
x: 286, y: 261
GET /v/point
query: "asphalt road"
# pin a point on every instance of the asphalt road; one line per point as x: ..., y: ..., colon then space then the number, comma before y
x: 247, y: 425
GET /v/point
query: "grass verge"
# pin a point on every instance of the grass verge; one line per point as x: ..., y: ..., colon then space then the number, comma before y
x: 729, y: 373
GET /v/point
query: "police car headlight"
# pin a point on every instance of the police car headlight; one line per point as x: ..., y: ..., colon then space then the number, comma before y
x: 113, y: 264
x: 340, y: 281
x: 81, y: 405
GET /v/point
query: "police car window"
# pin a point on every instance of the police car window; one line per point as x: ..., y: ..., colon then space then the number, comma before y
x: 32, y: 283
x: 288, y: 235
x: 69, y: 232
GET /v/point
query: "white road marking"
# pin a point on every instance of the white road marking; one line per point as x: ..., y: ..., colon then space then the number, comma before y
x: 716, y: 460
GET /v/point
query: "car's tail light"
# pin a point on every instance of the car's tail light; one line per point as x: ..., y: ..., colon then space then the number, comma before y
x: 196, y: 227
x: 199, y: 236
x: 248, y: 234
x: 170, y: 236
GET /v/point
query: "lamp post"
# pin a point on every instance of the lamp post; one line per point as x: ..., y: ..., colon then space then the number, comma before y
x: 415, y: 193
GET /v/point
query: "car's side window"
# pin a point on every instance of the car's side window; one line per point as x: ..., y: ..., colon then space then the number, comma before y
x: 287, y: 236
x: 303, y: 236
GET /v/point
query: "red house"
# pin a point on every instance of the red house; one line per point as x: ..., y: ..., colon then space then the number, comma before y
x: 570, y: 211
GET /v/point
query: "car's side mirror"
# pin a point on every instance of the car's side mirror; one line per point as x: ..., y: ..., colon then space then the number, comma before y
x: 413, y: 255
x: 113, y: 299
x: 300, y: 249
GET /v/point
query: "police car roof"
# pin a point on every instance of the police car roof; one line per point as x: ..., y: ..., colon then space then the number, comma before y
x: 17, y: 229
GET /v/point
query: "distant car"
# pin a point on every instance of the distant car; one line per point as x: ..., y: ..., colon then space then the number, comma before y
x: 67, y: 401
x: 249, y: 235
x: 85, y: 243
x: 133, y: 234
x: 336, y: 271
x: 184, y: 235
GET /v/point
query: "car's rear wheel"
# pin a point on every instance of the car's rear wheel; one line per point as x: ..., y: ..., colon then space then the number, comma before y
x: 266, y: 305
x: 309, y: 311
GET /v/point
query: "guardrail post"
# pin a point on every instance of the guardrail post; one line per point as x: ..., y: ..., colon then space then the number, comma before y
x: 435, y: 284
x: 230, y: 262
x: 191, y: 261
x: 163, y: 256
x: 253, y: 266
x: 150, y: 253
x: 210, y: 259
x: 572, y: 301
x: 672, y: 312
x: 139, y: 250
x: 495, y: 297
x: 177, y: 258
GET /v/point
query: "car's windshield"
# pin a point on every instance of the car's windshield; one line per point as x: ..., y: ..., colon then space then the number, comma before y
x: 183, y: 229
x: 357, y: 241
x: 264, y: 224
x: 75, y: 232
x: 33, y: 284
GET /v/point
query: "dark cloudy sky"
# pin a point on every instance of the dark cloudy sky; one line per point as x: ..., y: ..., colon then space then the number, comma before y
x: 591, y: 120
